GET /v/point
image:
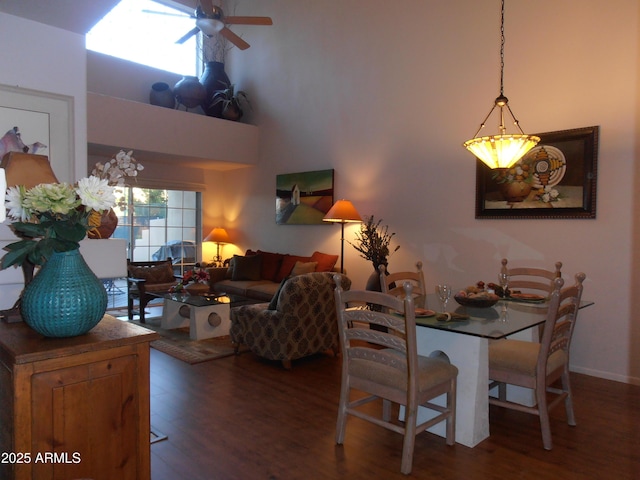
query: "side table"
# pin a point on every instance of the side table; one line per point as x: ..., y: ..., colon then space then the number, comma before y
x: 75, y: 407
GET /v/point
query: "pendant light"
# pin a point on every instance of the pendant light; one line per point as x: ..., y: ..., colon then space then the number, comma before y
x: 505, y: 149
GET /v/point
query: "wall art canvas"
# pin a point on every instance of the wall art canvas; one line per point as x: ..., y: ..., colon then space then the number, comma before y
x: 303, y: 198
x: 555, y: 179
x: 41, y: 123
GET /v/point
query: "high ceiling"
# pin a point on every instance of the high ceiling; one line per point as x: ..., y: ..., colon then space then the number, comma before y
x: 77, y: 16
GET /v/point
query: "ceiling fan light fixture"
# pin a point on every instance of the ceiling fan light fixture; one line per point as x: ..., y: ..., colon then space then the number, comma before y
x: 502, y: 150
x: 209, y: 26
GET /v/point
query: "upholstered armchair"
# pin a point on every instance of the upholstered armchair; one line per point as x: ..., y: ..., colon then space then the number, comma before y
x: 145, y: 279
x: 302, y: 323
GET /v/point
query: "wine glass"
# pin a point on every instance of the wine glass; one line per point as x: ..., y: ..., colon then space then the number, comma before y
x: 503, y: 278
x: 444, y: 294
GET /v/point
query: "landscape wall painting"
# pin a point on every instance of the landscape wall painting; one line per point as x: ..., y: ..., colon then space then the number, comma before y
x: 303, y: 198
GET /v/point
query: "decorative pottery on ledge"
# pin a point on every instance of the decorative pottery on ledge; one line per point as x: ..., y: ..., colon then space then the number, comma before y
x: 65, y: 298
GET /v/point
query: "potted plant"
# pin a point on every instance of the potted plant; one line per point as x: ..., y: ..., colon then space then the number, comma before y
x: 372, y: 241
x: 230, y: 101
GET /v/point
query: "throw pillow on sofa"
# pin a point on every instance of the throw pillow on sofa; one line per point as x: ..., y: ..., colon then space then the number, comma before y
x: 301, y: 268
x: 246, y: 268
x: 288, y: 262
x: 325, y: 261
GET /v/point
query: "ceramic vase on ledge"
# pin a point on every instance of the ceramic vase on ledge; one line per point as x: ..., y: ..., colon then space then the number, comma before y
x: 161, y: 95
x: 189, y: 92
x: 65, y: 298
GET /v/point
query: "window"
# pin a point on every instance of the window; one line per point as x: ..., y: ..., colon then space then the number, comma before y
x: 161, y: 223
x: 132, y: 31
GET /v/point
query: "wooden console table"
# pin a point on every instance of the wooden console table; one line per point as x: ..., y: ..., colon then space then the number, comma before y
x: 75, y: 407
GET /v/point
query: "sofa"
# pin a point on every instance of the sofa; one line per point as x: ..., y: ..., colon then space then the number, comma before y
x: 257, y: 275
x: 300, y: 321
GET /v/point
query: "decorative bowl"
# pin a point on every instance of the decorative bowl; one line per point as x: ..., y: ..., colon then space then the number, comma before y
x: 477, y: 302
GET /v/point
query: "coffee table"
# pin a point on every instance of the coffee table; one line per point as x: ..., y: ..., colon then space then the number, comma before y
x: 207, y: 316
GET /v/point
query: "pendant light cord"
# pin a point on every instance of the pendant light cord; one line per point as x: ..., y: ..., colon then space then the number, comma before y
x: 502, y: 51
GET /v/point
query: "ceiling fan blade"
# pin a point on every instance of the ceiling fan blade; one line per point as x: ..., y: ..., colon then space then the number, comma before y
x: 235, y: 20
x: 188, y: 35
x: 233, y: 38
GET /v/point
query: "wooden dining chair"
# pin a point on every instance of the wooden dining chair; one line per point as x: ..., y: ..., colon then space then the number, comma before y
x: 538, y: 365
x: 387, y: 366
x: 393, y: 283
x: 526, y: 279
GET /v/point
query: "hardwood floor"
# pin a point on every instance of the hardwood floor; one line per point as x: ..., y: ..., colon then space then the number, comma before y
x: 248, y: 419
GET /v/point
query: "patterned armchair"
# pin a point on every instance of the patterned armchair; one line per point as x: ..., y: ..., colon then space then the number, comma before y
x: 303, y: 323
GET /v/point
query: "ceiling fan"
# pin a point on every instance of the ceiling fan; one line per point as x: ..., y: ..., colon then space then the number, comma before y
x: 210, y: 19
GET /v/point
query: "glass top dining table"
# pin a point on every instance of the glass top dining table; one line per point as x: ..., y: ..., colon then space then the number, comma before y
x: 505, y: 318
x: 466, y: 344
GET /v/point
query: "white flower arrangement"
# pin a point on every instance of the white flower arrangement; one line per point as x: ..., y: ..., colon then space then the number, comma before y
x: 53, y: 217
x: 120, y: 166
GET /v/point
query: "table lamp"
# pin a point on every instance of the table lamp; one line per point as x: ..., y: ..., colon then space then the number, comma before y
x: 342, y: 212
x: 219, y: 236
x: 28, y: 170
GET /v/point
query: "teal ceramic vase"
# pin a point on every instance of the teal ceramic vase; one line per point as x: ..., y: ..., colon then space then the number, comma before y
x: 65, y: 298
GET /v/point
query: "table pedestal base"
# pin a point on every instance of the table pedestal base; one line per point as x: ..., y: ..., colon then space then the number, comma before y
x: 206, y: 321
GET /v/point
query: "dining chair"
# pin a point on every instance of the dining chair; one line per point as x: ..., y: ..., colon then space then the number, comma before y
x: 393, y: 283
x: 538, y: 365
x: 387, y: 366
x: 537, y: 279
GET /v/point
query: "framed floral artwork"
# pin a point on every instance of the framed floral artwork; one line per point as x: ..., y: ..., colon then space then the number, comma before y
x: 555, y: 179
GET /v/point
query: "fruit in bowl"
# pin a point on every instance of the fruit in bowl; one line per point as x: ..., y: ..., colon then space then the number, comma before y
x: 476, y: 296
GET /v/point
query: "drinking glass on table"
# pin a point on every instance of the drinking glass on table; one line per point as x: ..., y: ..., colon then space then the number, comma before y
x: 444, y: 294
x: 503, y: 278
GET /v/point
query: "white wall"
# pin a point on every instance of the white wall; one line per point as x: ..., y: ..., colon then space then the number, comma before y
x: 385, y: 94
x: 47, y: 59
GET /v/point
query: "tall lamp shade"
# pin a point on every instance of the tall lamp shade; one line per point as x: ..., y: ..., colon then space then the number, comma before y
x: 219, y: 236
x: 342, y: 212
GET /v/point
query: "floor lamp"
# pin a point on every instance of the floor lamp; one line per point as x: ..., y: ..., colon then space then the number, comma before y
x: 342, y: 212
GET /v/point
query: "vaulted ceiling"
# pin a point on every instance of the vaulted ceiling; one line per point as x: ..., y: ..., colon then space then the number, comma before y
x: 77, y: 16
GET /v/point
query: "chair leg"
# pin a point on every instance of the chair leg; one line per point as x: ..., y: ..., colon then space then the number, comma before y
x: 543, y: 413
x: 342, y: 413
x: 451, y: 419
x: 409, y: 439
x: 568, y: 402
x: 502, y: 392
x: 130, y: 308
x: 386, y: 410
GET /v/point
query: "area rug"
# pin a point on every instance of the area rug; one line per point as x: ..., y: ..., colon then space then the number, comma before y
x: 176, y: 342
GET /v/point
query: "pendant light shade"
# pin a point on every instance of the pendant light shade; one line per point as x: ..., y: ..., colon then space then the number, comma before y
x: 502, y: 150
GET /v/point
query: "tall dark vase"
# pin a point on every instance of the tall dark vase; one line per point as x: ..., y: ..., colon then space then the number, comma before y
x: 213, y: 78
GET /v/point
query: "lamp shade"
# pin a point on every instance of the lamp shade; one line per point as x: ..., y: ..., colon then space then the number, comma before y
x: 501, y: 151
x: 342, y: 211
x: 218, y: 235
x: 27, y: 169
